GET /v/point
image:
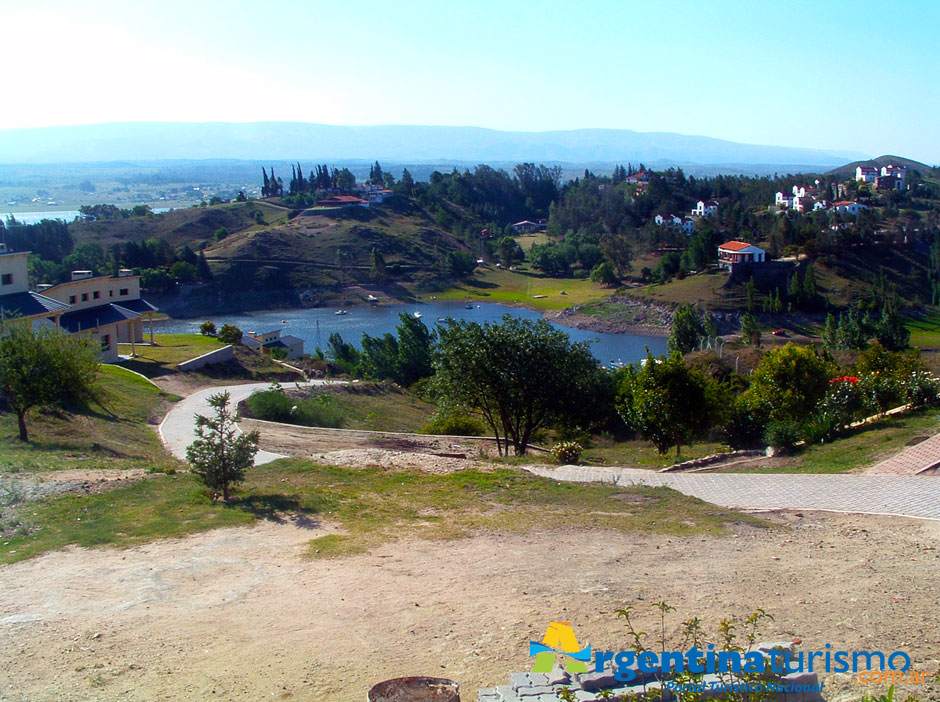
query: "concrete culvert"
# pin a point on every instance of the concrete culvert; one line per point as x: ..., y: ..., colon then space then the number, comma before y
x: 415, y: 689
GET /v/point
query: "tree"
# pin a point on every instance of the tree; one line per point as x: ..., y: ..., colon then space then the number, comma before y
x: 184, y: 272
x: 230, y: 334
x: 667, y: 402
x: 789, y: 382
x: 43, y: 368
x: 890, y: 330
x: 604, y: 274
x: 377, y: 269
x: 519, y: 374
x: 221, y: 454
x: 407, y: 184
x: 750, y: 329
x: 414, y: 350
x: 687, y: 330
x: 509, y: 251
x: 207, y: 328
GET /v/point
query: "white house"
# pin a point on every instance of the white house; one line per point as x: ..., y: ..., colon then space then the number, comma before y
x: 783, y: 199
x: 899, y: 172
x: 705, y: 208
x: 803, y: 203
x: 866, y: 174
x: 734, y: 253
x: 821, y: 205
x: 525, y: 227
x: 639, y: 177
x: 849, y: 207
x: 267, y: 341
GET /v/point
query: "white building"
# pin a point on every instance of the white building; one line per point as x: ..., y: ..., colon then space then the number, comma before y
x: 267, y: 341
x: 848, y: 207
x: 705, y: 208
x: 866, y: 174
x: 783, y: 199
x: 734, y: 253
x: 16, y: 300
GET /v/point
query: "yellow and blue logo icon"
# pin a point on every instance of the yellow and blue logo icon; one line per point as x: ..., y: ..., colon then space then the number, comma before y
x: 559, y: 640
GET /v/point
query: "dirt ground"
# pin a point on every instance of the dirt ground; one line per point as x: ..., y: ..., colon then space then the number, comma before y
x: 239, y: 614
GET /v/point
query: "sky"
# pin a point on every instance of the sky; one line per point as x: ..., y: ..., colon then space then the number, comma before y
x: 859, y: 76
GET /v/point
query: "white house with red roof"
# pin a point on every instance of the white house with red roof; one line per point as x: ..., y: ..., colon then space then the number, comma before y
x: 849, y: 207
x: 735, y: 253
x: 639, y: 177
x: 866, y: 174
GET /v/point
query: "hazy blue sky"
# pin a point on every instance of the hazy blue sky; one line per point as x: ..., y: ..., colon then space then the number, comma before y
x: 854, y: 75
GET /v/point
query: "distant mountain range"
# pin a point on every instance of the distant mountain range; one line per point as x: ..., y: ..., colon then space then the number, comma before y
x: 147, y: 141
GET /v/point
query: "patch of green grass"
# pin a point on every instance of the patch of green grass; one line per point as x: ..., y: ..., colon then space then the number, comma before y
x: 925, y: 329
x: 112, y: 433
x: 168, y: 351
x: 860, y: 449
x: 375, y: 408
x: 521, y: 287
x: 371, y: 505
x: 642, y: 454
x: 374, y: 506
x: 157, y: 507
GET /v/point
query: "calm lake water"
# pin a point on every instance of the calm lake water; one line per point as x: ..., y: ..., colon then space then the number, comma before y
x: 64, y: 215
x: 314, y: 326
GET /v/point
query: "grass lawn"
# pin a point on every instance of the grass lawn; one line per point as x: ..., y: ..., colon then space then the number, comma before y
x: 374, y: 408
x: 372, y: 505
x: 925, y: 329
x: 112, y: 434
x: 170, y: 350
x: 642, y: 454
x: 497, y: 285
x: 861, y: 448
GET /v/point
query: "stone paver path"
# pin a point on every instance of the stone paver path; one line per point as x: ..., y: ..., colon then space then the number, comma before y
x: 905, y: 496
x: 915, y: 459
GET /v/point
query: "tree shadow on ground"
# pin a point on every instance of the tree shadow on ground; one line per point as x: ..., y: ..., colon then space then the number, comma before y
x: 280, y: 509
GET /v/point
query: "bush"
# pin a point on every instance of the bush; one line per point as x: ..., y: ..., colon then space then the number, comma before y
x: 230, y: 334
x: 278, y: 354
x: 920, y: 388
x: 783, y: 436
x: 207, y: 328
x: 567, y: 452
x: 455, y: 424
x: 745, y: 427
x: 274, y: 405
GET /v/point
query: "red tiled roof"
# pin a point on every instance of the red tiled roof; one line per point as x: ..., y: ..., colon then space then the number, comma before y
x: 734, y: 245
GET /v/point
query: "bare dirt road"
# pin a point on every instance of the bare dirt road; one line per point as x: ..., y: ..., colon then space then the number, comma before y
x: 240, y: 614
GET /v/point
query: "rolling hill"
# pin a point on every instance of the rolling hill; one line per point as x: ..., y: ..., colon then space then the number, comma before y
x: 848, y: 170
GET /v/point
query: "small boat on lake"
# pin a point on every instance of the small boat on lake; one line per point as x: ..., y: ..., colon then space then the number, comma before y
x: 417, y: 315
x: 341, y: 312
x: 468, y: 306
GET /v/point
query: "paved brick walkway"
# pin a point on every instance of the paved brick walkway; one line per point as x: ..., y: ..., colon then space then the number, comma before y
x: 916, y: 459
x: 900, y: 495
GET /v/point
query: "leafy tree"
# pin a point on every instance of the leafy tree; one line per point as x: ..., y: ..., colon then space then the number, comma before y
x: 667, y: 402
x: 830, y: 333
x: 407, y: 184
x: 345, y: 180
x: 519, y: 374
x: 220, y: 233
x: 88, y: 256
x: 221, y: 453
x: 43, y: 368
x: 617, y: 249
x: 202, y: 267
x: 789, y: 382
x: 183, y: 272
x: 343, y: 354
x: 207, y: 328
x: 687, y: 330
x: 509, y: 251
x: 230, y: 334
x: 415, y: 344
x: 604, y: 274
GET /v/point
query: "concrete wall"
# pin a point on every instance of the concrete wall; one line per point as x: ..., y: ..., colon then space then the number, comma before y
x: 226, y: 353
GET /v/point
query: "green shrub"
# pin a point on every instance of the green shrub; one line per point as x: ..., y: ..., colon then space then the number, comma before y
x: 278, y: 354
x: 920, y: 388
x: 782, y: 436
x: 274, y: 405
x: 454, y: 424
x: 567, y: 452
x: 271, y: 405
x: 207, y: 328
x: 230, y: 334
x: 745, y: 427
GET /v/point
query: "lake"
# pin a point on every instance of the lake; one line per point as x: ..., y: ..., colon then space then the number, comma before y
x: 314, y: 326
x: 64, y: 215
